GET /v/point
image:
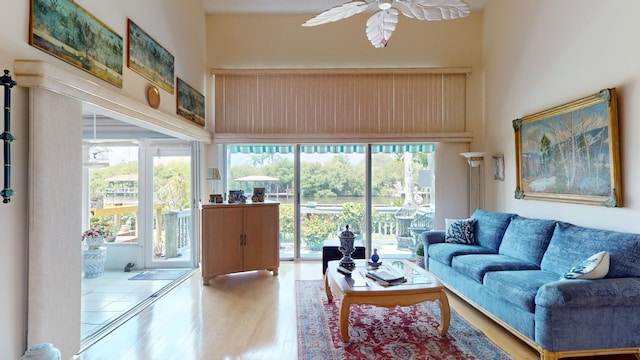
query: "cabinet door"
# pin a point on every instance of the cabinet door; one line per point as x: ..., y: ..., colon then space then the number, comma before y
x: 221, y: 235
x: 261, y: 231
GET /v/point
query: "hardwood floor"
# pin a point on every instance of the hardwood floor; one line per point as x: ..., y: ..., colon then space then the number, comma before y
x: 241, y: 316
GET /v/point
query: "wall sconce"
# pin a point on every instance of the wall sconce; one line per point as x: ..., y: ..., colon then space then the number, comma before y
x: 475, y: 160
x: 213, y: 174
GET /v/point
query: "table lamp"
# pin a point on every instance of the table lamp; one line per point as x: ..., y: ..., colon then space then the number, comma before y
x: 213, y: 174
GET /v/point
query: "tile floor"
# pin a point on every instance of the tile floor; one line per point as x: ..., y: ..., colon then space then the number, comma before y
x: 111, y: 297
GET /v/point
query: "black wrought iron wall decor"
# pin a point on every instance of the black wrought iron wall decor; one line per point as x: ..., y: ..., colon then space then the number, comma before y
x: 8, y: 83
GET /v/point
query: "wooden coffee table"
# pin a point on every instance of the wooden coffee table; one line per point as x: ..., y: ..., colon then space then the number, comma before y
x: 358, y: 289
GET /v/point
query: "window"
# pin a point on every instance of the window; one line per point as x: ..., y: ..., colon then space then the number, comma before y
x: 332, y: 189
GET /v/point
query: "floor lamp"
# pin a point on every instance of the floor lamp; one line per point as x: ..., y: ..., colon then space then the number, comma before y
x: 475, y: 160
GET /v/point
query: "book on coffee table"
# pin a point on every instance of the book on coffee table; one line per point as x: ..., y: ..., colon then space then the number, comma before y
x: 386, y: 276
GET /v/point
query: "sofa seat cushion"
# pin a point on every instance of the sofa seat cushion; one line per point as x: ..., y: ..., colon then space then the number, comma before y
x: 490, y: 227
x: 444, y: 253
x: 475, y: 266
x: 527, y: 239
x: 572, y: 244
x: 518, y: 287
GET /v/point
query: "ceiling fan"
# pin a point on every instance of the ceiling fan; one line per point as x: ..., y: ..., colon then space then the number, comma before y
x: 380, y: 26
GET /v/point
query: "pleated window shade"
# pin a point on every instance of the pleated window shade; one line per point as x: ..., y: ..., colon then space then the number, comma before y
x: 295, y: 102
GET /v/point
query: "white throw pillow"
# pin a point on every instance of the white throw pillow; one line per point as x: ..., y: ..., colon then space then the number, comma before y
x: 595, y: 267
x: 460, y: 231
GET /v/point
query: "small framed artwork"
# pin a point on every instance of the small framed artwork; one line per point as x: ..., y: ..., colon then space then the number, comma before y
x: 190, y: 103
x: 498, y: 167
x: 215, y: 198
x: 235, y: 196
x: 258, y: 194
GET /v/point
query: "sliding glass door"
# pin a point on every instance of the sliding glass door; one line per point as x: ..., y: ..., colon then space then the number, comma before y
x: 272, y: 168
x: 401, y: 197
x: 332, y: 195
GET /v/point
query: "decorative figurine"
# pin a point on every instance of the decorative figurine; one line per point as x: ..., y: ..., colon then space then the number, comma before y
x: 347, y: 248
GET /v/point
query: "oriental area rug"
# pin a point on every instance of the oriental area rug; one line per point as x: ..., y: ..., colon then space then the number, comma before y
x: 410, y: 332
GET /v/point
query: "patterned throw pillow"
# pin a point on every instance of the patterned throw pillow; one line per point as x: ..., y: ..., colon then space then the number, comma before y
x: 460, y: 231
x: 595, y: 267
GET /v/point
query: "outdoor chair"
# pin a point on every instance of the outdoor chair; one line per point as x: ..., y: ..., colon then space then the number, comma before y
x: 423, y: 221
x: 404, y: 217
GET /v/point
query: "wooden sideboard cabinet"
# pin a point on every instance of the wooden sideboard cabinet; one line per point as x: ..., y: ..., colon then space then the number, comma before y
x: 239, y: 237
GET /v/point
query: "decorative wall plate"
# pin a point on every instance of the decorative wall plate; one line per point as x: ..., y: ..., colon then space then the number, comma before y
x: 153, y: 97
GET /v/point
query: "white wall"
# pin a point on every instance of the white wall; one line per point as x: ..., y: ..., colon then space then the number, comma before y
x: 177, y: 25
x: 544, y: 53
x: 279, y: 41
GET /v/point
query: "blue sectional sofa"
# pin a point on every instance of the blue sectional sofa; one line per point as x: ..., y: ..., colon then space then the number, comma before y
x: 513, y: 274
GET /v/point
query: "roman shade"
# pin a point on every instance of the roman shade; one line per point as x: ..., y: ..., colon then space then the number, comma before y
x: 328, y: 104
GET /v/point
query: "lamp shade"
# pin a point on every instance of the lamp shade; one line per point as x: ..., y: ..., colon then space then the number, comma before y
x: 213, y: 174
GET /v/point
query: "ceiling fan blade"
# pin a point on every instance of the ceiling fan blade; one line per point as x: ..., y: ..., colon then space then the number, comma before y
x: 338, y: 13
x: 434, y: 9
x: 380, y: 27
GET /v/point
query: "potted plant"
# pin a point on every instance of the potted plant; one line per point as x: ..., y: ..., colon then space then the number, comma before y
x: 94, y: 237
x: 420, y: 255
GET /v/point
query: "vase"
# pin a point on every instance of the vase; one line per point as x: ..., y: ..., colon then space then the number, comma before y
x: 94, y: 242
x: 347, y: 248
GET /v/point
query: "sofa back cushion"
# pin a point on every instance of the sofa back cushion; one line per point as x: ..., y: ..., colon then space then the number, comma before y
x: 572, y: 244
x: 527, y: 239
x: 490, y: 227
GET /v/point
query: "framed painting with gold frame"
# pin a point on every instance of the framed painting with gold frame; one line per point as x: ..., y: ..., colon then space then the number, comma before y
x: 67, y: 31
x: 190, y: 103
x: 149, y: 59
x: 571, y: 153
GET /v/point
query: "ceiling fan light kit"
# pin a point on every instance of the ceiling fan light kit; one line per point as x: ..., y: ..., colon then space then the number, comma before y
x: 380, y: 25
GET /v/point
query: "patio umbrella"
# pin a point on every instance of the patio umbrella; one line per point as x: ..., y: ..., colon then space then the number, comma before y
x: 262, y: 180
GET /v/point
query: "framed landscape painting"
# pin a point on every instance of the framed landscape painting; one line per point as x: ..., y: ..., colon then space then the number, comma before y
x: 149, y: 59
x: 571, y: 153
x: 67, y: 31
x: 190, y: 103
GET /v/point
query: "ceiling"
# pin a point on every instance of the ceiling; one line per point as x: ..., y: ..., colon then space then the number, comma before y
x: 288, y: 6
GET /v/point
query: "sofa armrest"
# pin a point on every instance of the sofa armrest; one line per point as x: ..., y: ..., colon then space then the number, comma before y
x: 580, y: 293
x: 432, y: 237
x: 428, y: 238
